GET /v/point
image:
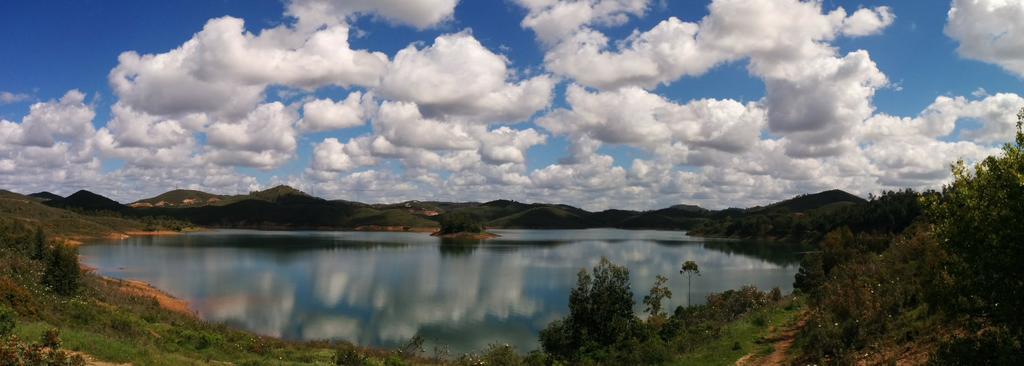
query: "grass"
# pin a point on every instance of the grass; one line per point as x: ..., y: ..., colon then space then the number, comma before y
x: 750, y: 332
x: 116, y: 327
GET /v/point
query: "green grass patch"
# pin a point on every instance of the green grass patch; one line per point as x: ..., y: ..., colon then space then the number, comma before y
x: 749, y: 332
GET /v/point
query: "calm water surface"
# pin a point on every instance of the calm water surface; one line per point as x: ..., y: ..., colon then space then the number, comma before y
x: 381, y: 289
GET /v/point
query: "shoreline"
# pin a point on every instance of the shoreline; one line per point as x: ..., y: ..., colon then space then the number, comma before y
x: 142, y: 288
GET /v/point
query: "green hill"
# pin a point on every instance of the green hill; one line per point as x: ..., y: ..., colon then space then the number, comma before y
x: 809, y: 202
x: 89, y: 201
x: 45, y: 196
x: 181, y: 198
x: 543, y: 217
x: 60, y: 222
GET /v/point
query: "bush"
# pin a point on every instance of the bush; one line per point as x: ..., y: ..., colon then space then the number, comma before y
x: 16, y: 297
x: 993, y: 347
x: 7, y: 317
x: 501, y: 355
x: 62, y: 272
x: 51, y: 339
x: 348, y: 356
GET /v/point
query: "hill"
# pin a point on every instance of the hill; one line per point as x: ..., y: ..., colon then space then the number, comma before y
x: 60, y: 222
x: 45, y: 196
x: 89, y: 201
x: 283, y: 193
x: 181, y: 198
x: 284, y: 207
x: 807, y: 202
x: 542, y: 217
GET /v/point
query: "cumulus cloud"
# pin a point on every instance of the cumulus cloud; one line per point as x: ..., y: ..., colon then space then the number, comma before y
x: 636, y: 117
x: 325, y: 114
x: 265, y: 138
x: 417, y: 13
x: 67, y: 119
x: 225, y: 70
x: 53, y: 144
x: 554, y: 20
x: 813, y: 96
x: 459, y: 77
x: 990, y: 31
x: 865, y: 21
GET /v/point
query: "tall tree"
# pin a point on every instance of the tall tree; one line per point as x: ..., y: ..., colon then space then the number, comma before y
x: 690, y: 268
x: 39, y: 244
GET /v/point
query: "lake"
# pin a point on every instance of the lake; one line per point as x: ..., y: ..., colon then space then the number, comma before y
x: 381, y: 288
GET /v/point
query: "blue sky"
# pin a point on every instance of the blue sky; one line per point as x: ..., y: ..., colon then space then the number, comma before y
x: 52, y: 47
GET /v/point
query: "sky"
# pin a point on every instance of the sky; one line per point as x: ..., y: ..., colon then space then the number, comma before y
x: 636, y: 104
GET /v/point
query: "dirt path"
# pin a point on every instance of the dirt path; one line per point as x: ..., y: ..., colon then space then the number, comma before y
x: 781, y: 343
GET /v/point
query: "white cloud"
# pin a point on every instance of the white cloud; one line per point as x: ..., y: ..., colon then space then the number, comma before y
x: 7, y: 97
x: 990, y: 31
x: 417, y: 13
x: 225, y: 70
x: 459, y: 77
x: 334, y: 156
x: 265, y: 138
x: 663, y: 54
x: 554, y: 20
x: 68, y: 119
x: 325, y: 114
x: 640, y: 118
x: 866, y: 22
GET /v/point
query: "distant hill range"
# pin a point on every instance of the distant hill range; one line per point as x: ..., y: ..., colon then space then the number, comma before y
x: 284, y: 207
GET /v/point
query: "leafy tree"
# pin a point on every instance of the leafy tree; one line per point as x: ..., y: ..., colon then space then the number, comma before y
x: 811, y: 273
x: 689, y: 268
x: 980, y: 219
x: 600, y: 315
x: 652, y: 301
x: 62, y: 273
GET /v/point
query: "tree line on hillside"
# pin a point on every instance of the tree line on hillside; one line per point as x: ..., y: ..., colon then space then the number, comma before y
x: 890, y: 212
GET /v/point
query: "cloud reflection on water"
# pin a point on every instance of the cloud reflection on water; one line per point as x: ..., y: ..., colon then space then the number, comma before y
x: 383, y: 288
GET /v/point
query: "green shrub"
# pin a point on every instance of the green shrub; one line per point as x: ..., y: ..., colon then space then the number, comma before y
x: 501, y: 355
x: 348, y: 356
x: 992, y: 347
x: 16, y: 297
x: 7, y: 318
x: 51, y: 339
x: 62, y: 272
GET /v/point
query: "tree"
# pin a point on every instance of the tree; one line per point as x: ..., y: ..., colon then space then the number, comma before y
x: 600, y: 314
x: 980, y: 219
x: 653, y: 300
x: 39, y: 244
x: 62, y: 273
x: 458, y: 222
x: 690, y: 268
